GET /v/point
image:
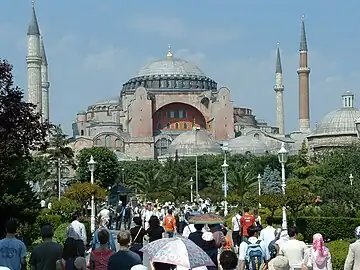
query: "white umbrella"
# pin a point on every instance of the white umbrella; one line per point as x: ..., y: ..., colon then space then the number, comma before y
x: 177, y: 251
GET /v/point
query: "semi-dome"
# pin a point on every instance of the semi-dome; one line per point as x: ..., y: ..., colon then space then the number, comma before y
x: 191, y: 143
x: 170, y: 74
x: 341, y: 121
x: 248, y: 145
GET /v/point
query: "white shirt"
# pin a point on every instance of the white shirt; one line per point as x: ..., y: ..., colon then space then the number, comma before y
x: 190, y: 229
x: 104, y: 214
x: 244, y: 246
x: 267, y: 235
x: 77, y: 231
x: 147, y: 215
x: 236, y: 222
x: 294, y: 250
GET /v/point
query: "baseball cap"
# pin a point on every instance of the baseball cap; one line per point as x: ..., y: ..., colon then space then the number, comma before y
x: 279, y: 263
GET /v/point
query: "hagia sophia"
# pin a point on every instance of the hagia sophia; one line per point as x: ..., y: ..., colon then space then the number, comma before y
x: 170, y: 107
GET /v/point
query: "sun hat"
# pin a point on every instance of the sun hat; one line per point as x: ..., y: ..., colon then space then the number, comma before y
x: 279, y: 263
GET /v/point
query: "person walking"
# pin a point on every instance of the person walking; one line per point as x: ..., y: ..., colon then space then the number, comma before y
x: 294, y: 249
x: 318, y: 256
x: 246, y: 221
x: 236, y: 233
x: 45, y: 255
x: 352, y: 261
x: 99, y: 257
x: 77, y: 230
x: 169, y: 224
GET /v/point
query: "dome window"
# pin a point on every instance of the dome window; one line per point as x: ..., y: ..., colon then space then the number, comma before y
x: 159, y: 126
x: 348, y: 99
x: 82, y: 132
x: 176, y: 126
x: 185, y: 126
x: 168, y: 125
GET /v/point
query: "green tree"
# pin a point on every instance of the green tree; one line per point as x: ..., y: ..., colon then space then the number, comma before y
x: 38, y: 173
x: 271, y: 181
x: 149, y: 184
x: 272, y: 201
x: 106, y: 168
x: 21, y: 131
x: 59, y: 146
x: 240, y: 182
x: 298, y: 196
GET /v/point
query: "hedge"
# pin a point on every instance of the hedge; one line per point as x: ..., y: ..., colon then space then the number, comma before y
x: 338, y: 250
x: 332, y: 228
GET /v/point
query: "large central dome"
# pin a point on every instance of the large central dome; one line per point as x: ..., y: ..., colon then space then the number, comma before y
x: 171, y: 67
x: 170, y: 74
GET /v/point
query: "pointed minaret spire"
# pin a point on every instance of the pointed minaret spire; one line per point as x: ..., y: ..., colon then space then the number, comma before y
x: 303, y: 72
x: 33, y: 26
x: 303, y: 42
x: 278, y: 59
x: 279, y: 89
x: 42, y: 51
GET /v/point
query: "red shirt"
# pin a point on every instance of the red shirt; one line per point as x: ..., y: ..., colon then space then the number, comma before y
x: 246, y: 221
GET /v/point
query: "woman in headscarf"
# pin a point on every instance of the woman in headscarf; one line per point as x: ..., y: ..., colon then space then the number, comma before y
x: 353, y: 258
x: 318, y: 256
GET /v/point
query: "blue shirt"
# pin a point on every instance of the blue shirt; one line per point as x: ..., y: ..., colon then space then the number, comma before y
x: 12, y: 252
x: 96, y: 243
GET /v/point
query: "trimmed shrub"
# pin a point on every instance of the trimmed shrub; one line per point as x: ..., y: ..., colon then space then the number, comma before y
x: 332, y: 228
x: 53, y: 220
x: 338, y: 250
x: 60, y: 233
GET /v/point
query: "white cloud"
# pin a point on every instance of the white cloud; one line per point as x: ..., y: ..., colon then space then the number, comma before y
x: 104, y: 60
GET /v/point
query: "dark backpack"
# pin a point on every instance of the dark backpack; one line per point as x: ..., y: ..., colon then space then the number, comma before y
x: 272, y: 249
x: 254, y: 256
x: 69, y: 265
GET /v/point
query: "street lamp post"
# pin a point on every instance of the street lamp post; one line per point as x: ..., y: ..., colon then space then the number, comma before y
x: 225, y: 168
x: 191, y: 190
x: 59, y: 165
x: 351, y: 178
x: 259, y: 186
x: 91, y: 165
x: 196, y: 128
x: 283, y: 156
x: 123, y: 175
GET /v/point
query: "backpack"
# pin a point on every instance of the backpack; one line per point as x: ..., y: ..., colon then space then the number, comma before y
x: 69, y: 264
x: 254, y: 256
x: 272, y: 249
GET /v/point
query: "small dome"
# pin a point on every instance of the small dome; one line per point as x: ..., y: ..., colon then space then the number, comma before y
x: 171, y: 67
x: 338, y: 122
x: 248, y: 144
x: 189, y: 144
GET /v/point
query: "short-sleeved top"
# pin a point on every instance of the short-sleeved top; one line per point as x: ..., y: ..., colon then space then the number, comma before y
x: 100, y: 259
x: 169, y: 223
x: 155, y: 233
x: 136, y: 236
x: 244, y: 246
x: 45, y: 255
x: 246, y: 221
x: 12, y: 252
x: 123, y: 260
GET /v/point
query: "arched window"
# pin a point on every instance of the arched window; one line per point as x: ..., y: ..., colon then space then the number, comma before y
x: 256, y: 135
x: 168, y: 125
x: 82, y: 132
x: 159, y: 126
x: 176, y: 126
x: 107, y: 141
x: 98, y: 142
x: 185, y: 126
x: 161, y: 146
x: 118, y: 143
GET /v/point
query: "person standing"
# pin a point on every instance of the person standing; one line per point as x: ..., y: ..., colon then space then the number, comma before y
x: 268, y: 233
x: 318, y: 256
x: 236, y: 233
x: 169, y: 224
x: 353, y: 257
x: 127, y: 217
x: 45, y: 255
x: 12, y: 250
x: 148, y: 213
x: 99, y: 257
x: 246, y: 221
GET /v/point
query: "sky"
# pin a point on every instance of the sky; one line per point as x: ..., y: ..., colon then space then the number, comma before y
x: 93, y: 47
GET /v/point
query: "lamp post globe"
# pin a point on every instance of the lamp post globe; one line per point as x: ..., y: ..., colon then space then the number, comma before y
x: 91, y: 165
x: 225, y: 168
x: 283, y: 154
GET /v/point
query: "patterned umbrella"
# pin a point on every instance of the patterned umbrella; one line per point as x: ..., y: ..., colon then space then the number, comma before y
x: 177, y: 251
x: 208, y: 218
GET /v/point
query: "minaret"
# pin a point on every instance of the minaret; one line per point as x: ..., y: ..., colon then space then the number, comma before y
x: 33, y: 61
x: 279, y: 89
x: 45, y: 85
x: 303, y: 72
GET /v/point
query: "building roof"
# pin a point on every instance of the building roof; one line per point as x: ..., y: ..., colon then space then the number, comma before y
x: 114, y: 100
x: 170, y: 66
x: 248, y: 144
x: 191, y: 143
x: 341, y: 121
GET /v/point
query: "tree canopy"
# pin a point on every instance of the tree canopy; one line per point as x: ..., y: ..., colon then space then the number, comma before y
x: 21, y: 132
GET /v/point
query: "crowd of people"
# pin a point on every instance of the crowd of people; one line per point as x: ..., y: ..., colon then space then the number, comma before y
x: 249, y: 246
